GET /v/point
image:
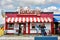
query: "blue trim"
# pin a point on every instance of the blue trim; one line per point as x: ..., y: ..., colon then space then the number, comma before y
x: 56, y: 19
x: 46, y: 38
x: 56, y: 14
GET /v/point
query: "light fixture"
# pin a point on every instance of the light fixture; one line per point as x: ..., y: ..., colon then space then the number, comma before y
x: 22, y: 25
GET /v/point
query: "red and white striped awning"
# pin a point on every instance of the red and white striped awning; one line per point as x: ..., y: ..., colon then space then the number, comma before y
x: 28, y: 19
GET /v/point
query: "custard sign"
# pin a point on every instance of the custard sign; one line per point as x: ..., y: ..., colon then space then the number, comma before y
x: 29, y: 11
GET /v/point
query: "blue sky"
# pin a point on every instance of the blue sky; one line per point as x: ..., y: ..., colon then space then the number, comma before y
x: 44, y: 5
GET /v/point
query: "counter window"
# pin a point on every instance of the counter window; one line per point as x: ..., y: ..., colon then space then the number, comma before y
x: 33, y: 27
x: 11, y: 25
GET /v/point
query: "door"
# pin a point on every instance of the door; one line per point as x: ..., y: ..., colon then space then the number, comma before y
x: 56, y: 26
x: 20, y: 28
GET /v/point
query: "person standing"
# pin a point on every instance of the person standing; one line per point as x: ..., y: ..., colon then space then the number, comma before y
x: 19, y: 30
x: 37, y: 28
x: 43, y: 29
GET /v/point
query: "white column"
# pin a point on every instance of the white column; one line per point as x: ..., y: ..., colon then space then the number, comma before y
x: 26, y: 27
x: 16, y: 28
x: 30, y: 27
x: 22, y: 29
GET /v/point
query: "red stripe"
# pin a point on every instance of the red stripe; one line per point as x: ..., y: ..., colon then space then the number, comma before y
x: 50, y: 19
x: 16, y: 19
x: 23, y: 19
x: 27, y: 19
x: 52, y: 26
x: 10, y: 20
x: 6, y: 19
x: 38, y: 19
x: 19, y: 19
x: 45, y: 19
x: 6, y: 27
x: 41, y: 19
x: 31, y: 20
x: 24, y: 30
x: 28, y: 28
x: 34, y: 19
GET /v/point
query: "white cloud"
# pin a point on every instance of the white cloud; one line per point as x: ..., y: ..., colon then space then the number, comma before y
x: 4, y: 2
x: 9, y: 0
x: 31, y: 2
x: 56, y: 12
x: 59, y: 9
x: 36, y: 2
x: 26, y: 2
x: 45, y: 10
x: 51, y: 9
x: 55, y: 1
x: 10, y: 6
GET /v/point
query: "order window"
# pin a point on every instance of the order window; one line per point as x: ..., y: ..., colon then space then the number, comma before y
x: 33, y: 27
x: 11, y: 25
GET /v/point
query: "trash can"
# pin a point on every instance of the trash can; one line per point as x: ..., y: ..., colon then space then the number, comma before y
x: 1, y: 32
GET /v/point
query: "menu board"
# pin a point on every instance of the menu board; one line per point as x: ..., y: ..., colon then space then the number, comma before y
x: 16, y: 26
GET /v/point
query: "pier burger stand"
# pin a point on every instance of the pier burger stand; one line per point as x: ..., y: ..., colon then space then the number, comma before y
x: 27, y: 19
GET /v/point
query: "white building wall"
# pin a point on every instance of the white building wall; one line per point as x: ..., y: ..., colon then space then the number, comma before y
x: 48, y: 27
x: 26, y: 27
x: 11, y: 31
